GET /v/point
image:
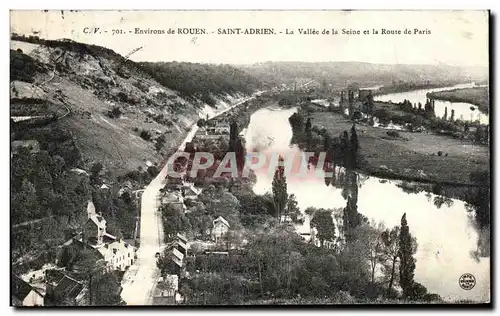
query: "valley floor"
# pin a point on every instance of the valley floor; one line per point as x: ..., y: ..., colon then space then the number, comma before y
x: 412, y: 155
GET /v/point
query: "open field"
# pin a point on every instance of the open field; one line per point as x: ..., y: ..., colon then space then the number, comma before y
x: 412, y: 155
x: 477, y: 96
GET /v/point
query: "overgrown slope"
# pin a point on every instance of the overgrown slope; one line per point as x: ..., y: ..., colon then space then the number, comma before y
x: 117, y: 108
x: 202, y: 81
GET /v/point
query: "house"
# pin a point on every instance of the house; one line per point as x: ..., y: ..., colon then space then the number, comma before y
x: 220, y: 228
x: 181, y: 246
x: 63, y: 287
x: 167, y: 290
x: 126, y: 187
x: 24, y: 294
x: 174, y: 183
x: 182, y: 238
x: 189, y: 191
x: 219, y: 129
x: 178, y: 259
x: 174, y: 197
x: 117, y: 253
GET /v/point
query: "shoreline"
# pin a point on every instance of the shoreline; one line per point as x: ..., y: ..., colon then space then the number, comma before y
x: 395, y: 89
x: 454, y: 96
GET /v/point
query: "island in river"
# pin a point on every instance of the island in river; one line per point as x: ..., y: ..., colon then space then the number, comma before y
x: 475, y: 95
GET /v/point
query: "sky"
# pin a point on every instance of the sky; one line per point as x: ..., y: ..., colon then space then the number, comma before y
x: 457, y: 38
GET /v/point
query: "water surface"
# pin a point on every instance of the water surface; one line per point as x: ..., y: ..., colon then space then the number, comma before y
x: 446, y: 235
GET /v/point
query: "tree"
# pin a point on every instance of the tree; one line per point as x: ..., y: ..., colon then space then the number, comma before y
x: 343, y: 149
x: 296, y: 122
x: 174, y: 220
x: 452, y: 116
x: 95, y: 171
x: 201, y: 122
x: 308, y: 131
x: 146, y: 135
x: 354, y: 147
x: 445, y: 115
x: 322, y: 220
x: 280, y: 194
x: 374, y: 247
x: 115, y: 112
x: 390, y: 241
x: 327, y: 142
x: 354, y: 139
x: 107, y: 290
x: 407, y: 262
x: 292, y: 210
x: 88, y: 266
x: 233, y: 136
x: 25, y: 202
x: 479, y: 198
x: 160, y: 142
x: 196, y: 249
x: 351, y: 218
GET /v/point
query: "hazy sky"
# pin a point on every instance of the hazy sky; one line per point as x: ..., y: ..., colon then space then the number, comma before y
x: 457, y: 37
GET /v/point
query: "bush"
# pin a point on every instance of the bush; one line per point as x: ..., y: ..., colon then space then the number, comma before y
x: 393, y: 134
x: 201, y: 123
x: 23, y: 67
x: 115, y: 112
x: 146, y: 135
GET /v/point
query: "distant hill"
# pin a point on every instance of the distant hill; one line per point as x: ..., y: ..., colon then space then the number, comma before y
x: 339, y: 74
x: 202, y: 81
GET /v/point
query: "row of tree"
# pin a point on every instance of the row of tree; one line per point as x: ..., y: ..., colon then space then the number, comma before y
x: 340, y: 151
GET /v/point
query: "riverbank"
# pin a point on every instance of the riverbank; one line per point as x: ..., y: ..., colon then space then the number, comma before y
x: 476, y: 95
x: 410, y: 156
x: 409, y: 87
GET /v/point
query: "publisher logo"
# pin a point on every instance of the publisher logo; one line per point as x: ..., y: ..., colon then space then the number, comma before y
x: 467, y: 281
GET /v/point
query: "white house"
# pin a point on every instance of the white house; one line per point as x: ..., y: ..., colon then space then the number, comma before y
x: 190, y: 191
x: 172, y: 197
x: 220, y: 228
x: 25, y: 295
x: 117, y: 253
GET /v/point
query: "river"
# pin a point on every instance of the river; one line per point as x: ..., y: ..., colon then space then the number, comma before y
x: 445, y: 235
x: 462, y: 110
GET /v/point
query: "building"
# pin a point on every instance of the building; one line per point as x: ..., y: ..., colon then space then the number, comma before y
x: 172, y: 197
x: 24, y: 294
x: 181, y: 246
x: 62, y: 287
x: 189, y: 191
x: 218, y: 129
x: 182, y: 238
x: 220, y: 228
x: 174, y: 183
x: 117, y: 253
x: 178, y: 258
x: 167, y: 290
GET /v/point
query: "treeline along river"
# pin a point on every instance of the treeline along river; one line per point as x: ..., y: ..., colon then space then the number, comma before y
x: 444, y: 229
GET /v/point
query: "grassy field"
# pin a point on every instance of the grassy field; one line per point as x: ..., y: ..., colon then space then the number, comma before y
x: 477, y: 96
x: 411, y: 155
